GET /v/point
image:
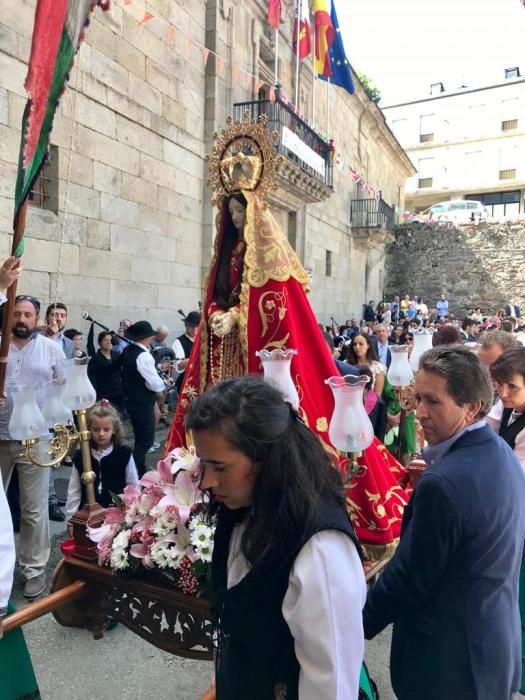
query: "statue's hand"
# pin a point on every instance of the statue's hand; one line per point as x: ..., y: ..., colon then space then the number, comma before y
x: 222, y: 323
x: 216, y: 321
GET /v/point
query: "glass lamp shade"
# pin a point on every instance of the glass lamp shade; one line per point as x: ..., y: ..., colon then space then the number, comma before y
x: 276, y: 367
x: 422, y: 343
x: 399, y: 373
x: 78, y: 392
x: 350, y: 428
x: 26, y: 421
x: 53, y: 409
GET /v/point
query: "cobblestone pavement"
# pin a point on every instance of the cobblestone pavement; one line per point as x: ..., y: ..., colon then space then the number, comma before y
x: 70, y: 665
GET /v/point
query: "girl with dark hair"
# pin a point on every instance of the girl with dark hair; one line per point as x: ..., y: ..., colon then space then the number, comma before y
x: 361, y: 351
x: 285, y: 551
x: 397, y: 336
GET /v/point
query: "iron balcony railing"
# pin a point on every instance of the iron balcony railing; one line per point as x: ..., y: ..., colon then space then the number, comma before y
x: 372, y: 213
x: 297, y: 140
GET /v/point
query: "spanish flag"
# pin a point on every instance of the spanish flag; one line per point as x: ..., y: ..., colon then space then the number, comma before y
x: 302, y: 39
x: 324, y: 37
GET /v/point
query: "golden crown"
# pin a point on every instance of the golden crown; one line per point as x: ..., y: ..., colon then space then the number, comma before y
x: 244, y: 157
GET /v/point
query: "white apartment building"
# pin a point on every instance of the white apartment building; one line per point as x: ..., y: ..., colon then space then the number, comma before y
x: 466, y: 144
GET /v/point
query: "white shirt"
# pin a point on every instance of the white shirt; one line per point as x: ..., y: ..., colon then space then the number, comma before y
x: 494, y: 420
x: 146, y: 369
x: 180, y: 354
x: 7, y: 549
x: 423, y: 308
x: 37, y: 364
x: 323, y: 610
x: 74, y: 490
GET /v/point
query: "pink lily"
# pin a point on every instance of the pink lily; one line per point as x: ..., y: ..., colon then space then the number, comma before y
x: 103, y: 535
x: 143, y: 551
x: 131, y: 493
x: 186, y: 460
x: 183, y: 494
x: 161, y: 475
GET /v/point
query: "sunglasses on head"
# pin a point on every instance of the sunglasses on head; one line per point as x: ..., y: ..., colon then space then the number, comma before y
x: 27, y: 297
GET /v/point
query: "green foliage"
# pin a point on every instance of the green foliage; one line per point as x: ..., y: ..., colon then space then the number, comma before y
x: 368, y: 84
x: 117, y: 500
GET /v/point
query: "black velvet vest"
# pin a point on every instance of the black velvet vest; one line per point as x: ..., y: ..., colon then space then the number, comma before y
x: 187, y: 346
x: 510, y: 432
x: 134, y: 384
x: 255, y: 656
x: 110, y: 473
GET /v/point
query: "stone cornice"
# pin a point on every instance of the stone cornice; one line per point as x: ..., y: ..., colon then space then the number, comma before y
x: 301, y: 185
x: 372, y: 237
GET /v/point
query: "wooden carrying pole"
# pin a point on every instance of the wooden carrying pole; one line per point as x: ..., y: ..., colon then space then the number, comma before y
x: 75, y: 590
x: 18, y: 234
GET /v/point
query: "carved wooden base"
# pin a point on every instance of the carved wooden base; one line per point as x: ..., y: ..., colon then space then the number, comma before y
x: 157, y: 612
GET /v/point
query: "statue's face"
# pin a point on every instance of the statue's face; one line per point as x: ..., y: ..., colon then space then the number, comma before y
x: 237, y: 213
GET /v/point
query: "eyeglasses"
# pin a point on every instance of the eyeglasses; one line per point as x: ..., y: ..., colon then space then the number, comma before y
x: 27, y: 297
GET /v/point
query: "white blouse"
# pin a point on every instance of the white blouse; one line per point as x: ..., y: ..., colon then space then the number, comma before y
x: 323, y: 609
x: 377, y: 368
x: 7, y: 549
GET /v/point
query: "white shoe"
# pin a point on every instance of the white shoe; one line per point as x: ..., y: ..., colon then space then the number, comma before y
x: 154, y: 447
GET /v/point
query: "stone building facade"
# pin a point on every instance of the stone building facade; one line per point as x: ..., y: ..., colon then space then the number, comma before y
x: 473, y: 265
x: 125, y: 227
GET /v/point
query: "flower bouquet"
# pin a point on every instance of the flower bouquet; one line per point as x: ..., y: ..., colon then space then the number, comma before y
x: 158, y: 525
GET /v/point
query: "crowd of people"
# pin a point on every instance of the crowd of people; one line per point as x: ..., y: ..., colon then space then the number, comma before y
x: 132, y: 372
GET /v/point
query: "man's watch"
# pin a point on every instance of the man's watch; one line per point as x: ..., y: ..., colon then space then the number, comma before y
x: 3, y: 612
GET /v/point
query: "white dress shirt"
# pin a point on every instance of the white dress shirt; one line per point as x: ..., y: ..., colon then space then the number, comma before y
x: 323, y: 610
x: 74, y: 490
x: 147, y: 370
x: 494, y: 420
x: 180, y: 354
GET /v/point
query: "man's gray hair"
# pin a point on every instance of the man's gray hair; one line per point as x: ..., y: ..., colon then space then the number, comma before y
x: 467, y: 379
x: 502, y: 338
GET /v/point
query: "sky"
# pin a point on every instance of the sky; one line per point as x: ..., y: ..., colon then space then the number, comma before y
x: 405, y: 45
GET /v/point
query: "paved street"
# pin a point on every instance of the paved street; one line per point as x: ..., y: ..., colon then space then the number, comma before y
x: 69, y: 663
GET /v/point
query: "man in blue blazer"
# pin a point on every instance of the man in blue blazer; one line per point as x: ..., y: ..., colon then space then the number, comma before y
x: 451, y: 588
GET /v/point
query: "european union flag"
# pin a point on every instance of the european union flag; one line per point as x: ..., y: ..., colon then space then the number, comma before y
x: 341, y: 73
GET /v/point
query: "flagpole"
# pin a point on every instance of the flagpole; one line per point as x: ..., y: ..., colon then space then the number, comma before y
x: 314, y: 78
x: 297, y: 37
x: 18, y: 234
x: 276, y: 69
x: 328, y: 108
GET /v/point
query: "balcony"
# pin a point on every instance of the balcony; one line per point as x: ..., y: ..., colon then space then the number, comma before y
x: 372, y: 221
x: 307, y: 168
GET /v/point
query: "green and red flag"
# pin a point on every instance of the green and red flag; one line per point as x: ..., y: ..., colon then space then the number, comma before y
x: 57, y: 33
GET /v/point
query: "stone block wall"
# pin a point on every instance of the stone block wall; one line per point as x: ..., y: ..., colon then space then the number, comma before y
x: 134, y: 229
x: 473, y: 265
x: 130, y: 166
